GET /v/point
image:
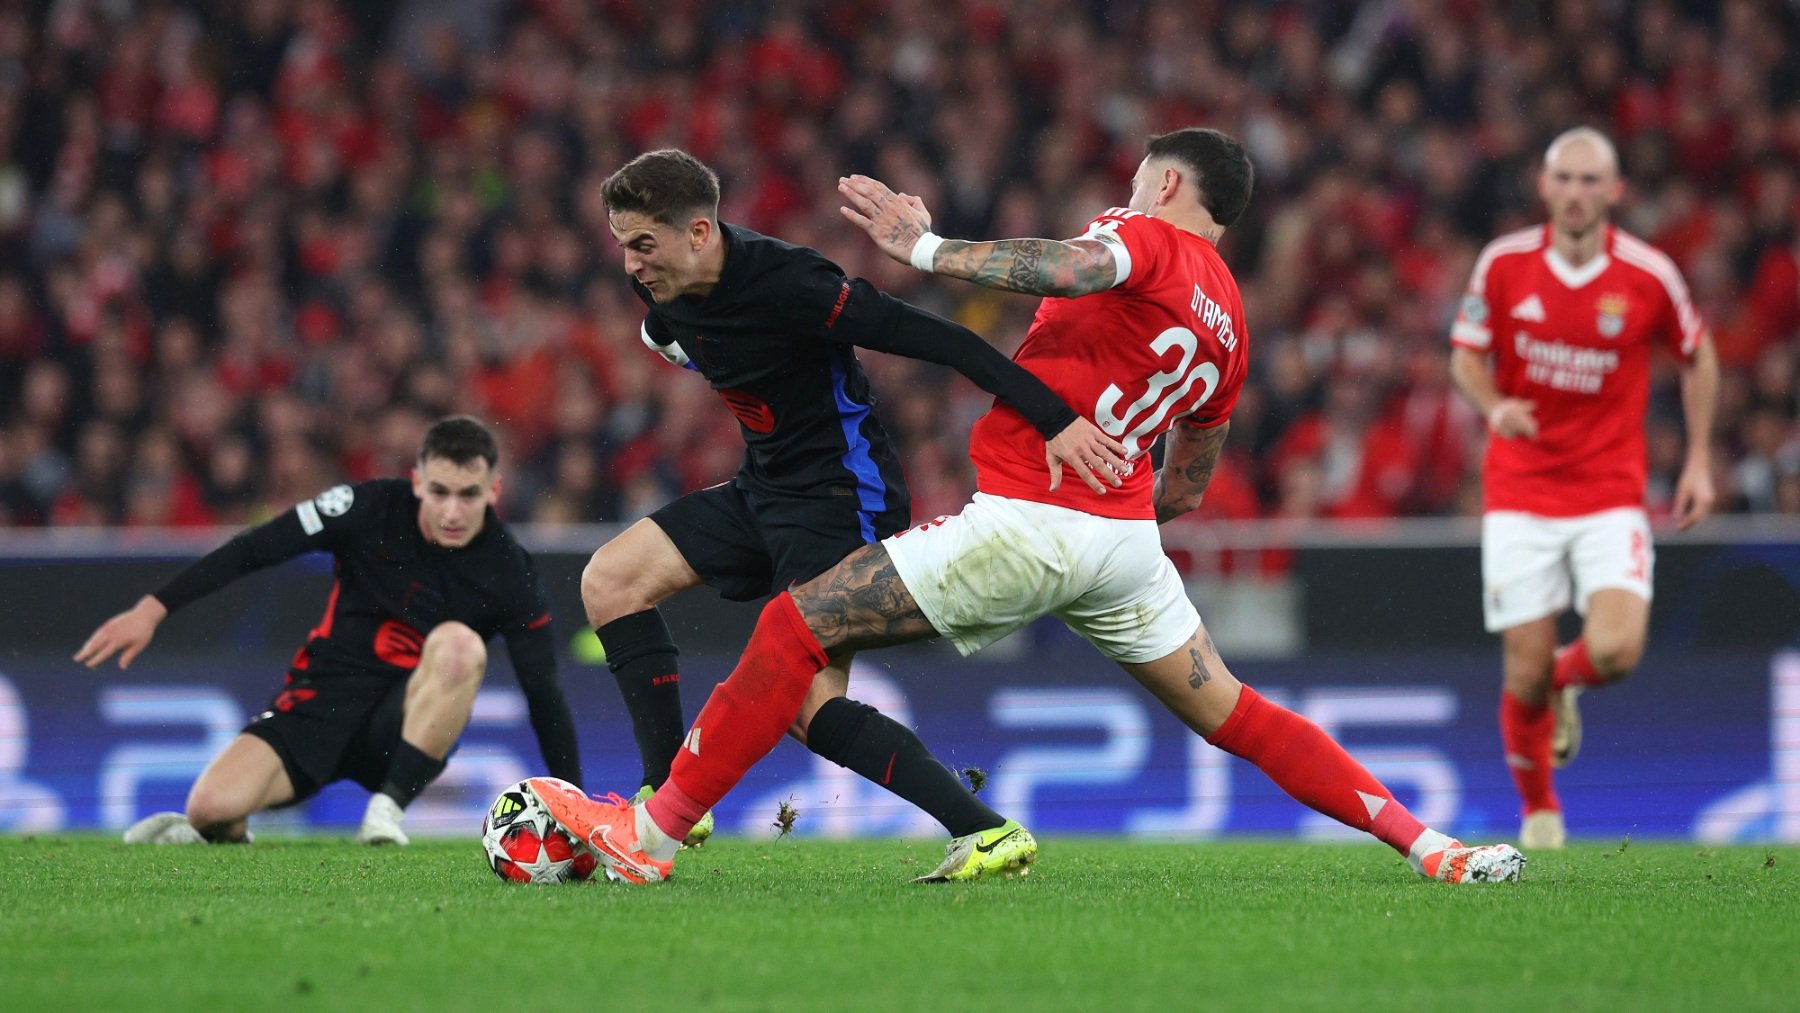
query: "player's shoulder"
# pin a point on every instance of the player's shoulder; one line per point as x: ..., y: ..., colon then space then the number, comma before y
x: 1517, y: 243
x: 374, y: 493
x: 1506, y: 250
x: 1637, y: 254
x: 758, y: 255
x: 1121, y: 215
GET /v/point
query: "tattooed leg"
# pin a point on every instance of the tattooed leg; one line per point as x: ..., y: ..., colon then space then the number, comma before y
x: 1192, y: 682
x: 861, y: 603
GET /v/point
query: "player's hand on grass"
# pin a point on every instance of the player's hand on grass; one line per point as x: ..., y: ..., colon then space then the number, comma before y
x: 1514, y: 417
x: 1694, y: 496
x: 1094, y: 457
x: 126, y: 634
x: 894, y: 220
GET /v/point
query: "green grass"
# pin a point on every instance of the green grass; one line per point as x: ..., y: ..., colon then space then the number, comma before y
x: 805, y: 925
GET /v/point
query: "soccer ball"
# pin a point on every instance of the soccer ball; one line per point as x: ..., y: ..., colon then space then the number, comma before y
x: 524, y: 845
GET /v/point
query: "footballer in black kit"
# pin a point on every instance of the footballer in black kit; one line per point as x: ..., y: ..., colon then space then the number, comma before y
x: 424, y: 575
x: 820, y: 476
x: 338, y: 713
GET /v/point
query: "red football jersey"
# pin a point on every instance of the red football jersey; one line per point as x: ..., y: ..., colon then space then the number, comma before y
x: 1166, y: 342
x: 1577, y: 342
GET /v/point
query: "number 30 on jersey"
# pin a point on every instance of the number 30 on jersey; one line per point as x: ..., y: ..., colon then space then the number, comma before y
x: 1148, y: 413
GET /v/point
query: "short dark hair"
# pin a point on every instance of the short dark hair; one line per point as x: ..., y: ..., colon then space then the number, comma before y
x: 1220, y: 165
x: 460, y: 439
x: 669, y: 185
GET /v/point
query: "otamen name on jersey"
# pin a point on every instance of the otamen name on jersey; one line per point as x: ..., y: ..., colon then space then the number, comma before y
x: 1565, y: 367
x: 1216, y: 319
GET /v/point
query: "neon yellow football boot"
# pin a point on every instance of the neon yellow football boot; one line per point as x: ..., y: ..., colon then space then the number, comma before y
x: 1003, y: 850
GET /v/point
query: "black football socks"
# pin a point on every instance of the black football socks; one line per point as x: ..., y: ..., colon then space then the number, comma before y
x: 409, y: 772
x: 641, y: 655
x: 860, y: 738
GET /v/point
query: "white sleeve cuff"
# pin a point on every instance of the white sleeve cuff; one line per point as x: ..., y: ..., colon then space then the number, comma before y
x: 925, y: 250
x: 1121, y: 255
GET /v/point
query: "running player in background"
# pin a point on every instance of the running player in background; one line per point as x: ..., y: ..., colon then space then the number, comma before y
x: 772, y: 327
x: 425, y: 575
x: 1569, y: 313
x: 1144, y: 328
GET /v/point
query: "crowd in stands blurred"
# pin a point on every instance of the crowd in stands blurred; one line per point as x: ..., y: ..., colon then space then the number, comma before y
x: 249, y: 248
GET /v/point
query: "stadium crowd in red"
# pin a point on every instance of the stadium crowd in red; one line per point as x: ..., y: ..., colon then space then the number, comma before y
x: 250, y: 249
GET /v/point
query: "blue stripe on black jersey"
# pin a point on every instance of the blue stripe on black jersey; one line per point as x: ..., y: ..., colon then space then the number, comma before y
x: 871, y: 491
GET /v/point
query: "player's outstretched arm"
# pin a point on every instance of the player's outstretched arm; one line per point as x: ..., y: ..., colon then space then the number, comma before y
x: 1189, y: 457
x: 1694, y: 495
x: 126, y: 634
x: 901, y: 226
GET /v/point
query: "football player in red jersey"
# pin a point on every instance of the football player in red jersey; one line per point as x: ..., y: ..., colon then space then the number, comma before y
x: 1143, y: 330
x: 1553, y: 345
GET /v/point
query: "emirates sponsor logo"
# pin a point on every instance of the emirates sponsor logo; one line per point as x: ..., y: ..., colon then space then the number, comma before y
x: 1565, y: 367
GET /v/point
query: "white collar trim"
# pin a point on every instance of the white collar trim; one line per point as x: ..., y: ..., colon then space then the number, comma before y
x: 1569, y: 274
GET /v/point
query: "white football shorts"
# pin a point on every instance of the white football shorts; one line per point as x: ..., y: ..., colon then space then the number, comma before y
x: 1003, y: 562
x: 1534, y: 566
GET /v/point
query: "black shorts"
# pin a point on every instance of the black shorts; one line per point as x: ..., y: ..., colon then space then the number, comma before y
x: 745, y: 545
x: 332, y: 727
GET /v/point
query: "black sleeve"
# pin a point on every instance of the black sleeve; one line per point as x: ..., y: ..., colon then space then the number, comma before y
x: 533, y: 654
x: 317, y: 524
x: 863, y: 315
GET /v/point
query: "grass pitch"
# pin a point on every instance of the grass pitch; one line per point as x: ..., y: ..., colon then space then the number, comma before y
x: 87, y: 923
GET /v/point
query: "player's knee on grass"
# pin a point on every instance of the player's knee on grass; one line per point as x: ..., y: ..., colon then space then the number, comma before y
x: 218, y: 811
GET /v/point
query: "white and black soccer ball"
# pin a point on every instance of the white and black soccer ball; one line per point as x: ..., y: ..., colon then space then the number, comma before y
x: 524, y: 845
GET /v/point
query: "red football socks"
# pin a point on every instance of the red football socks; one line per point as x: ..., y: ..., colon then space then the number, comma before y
x: 1574, y: 667
x: 743, y: 719
x: 1304, y: 762
x: 1525, y: 734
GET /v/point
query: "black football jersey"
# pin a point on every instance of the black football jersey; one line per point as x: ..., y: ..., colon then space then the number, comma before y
x: 774, y: 338
x: 391, y: 585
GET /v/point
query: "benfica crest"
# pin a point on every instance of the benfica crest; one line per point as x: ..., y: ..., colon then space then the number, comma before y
x: 1611, y: 319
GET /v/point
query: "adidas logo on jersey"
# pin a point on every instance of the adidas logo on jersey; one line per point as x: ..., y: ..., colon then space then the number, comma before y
x: 1530, y: 308
x: 692, y: 742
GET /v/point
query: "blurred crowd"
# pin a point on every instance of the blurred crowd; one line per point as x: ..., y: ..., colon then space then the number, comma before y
x: 249, y: 248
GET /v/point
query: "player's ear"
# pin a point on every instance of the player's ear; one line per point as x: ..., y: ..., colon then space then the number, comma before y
x: 418, y: 482
x: 495, y: 488
x: 699, y: 231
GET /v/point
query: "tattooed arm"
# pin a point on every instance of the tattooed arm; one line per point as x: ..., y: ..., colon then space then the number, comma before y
x: 1033, y: 266
x: 1189, y: 456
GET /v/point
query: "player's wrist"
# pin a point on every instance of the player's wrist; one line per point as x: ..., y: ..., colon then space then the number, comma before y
x: 924, y: 251
x: 1493, y: 416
